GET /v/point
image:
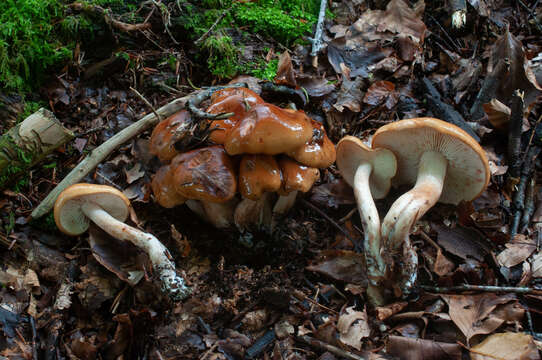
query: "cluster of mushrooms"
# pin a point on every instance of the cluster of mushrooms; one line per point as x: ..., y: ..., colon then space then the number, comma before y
x: 443, y: 162
x: 261, y: 152
x: 261, y: 156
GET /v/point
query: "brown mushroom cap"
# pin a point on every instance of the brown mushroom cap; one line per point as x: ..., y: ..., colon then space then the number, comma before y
x: 467, y: 173
x: 235, y: 100
x: 295, y: 176
x: 258, y: 174
x: 268, y: 129
x: 319, y: 152
x: 163, y: 136
x: 351, y: 152
x: 205, y: 174
x: 163, y: 188
x: 69, y: 217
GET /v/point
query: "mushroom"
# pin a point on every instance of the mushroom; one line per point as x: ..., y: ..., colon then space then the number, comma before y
x: 230, y: 100
x: 268, y: 129
x: 108, y: 208
x: 207, y: 174
x: 166, y: 133
x: 163, y: 188
x: 369, y: 172
x: 295, y: 177
x: 442, y: 161
x: 319, y: 152
x: 259, y: 176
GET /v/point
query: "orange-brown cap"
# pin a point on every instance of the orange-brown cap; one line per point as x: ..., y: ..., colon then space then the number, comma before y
x: 319, y: 152
x: 235, y: 100
x: 163, y: 188
x: 295, y: 176
x: 69, y: 217
x: 205, y: 174
x: 351, y: 153
x: 258, y: 174
x: 162, y: 143
x: 268, y: 129
x: 467, y: 173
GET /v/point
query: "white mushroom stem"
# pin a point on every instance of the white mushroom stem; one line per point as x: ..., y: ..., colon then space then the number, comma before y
x: 172, y: 283
x: 220, y: 215
x: 284, y: 203
x: 370, y: 220
x: 411, y: 206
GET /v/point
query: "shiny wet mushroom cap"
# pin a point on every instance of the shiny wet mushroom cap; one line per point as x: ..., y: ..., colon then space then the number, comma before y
x: 205, y: 174
x: 268, y: 129
x: 165, y: 134
x: 319, y: 152
x: 163, y: 188
x: 258, y: 174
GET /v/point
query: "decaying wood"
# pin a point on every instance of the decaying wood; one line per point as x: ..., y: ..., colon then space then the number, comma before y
x: 28, y: 143
x: 514, y: 137
x: 100, y: 11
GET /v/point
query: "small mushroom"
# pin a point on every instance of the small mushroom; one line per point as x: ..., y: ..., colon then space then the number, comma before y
x: 295, y: 177
x: 268, y: 129
x: 442, y: 161
x: 369, y: 172
x: 108, y: 208
x: 319, y: 152
x: 207, y: 174
x: 166, y: 133
x: 163, y: 188
x: 230, y: 100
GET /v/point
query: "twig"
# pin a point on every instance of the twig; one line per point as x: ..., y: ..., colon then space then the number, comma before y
x: 482, y: 288
x: 146, y: 102
x: 332, y: 222
x: 532, y: 14
x: 489, y: 88
x: 514, y: 138
x: 452, y: 41
x: 259, y: 346
x: 302, y: 95
x: 34, y: 338
x: 107, y: 17
x: 518, y: 201
x: 208, y: 32
x: 332, y: 349
x: 317, y: 43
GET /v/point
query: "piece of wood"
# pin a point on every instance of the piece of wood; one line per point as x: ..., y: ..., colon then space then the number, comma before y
x: 28, y: 143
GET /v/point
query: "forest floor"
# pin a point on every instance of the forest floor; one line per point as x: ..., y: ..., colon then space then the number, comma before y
x: 300, y: 292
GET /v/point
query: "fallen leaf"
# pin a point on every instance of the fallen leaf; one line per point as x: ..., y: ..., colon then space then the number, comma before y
x: 285, y: 72
x: 134, y: 173
x: 460, y: 241
x: 333, y: 194
x: 384, y: 312
x: 497, y: 113
x: 517, y: 251
x: 353, y: 327
x: 347, y: 266
x: 442, y: 265
x: 381, y: 92
x: 506, y: 346
x: 356, y: 54
x: 350, y: 95
x: 482, y: 313
x: 408, y: 348
x: 537, y: 265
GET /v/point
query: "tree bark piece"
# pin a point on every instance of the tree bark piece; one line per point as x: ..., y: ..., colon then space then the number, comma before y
x: 29, y: 142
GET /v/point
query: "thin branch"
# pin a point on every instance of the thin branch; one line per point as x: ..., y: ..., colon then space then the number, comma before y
x: 146, y: 102
x: 98, y: 10
x: 208, y: 32
x: 327, y: 347
x: 317, y: 42
x: 482, y: 288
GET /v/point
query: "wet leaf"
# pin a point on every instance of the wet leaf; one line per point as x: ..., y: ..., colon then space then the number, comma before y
x: 381, y: 92
x: 353, y: 327
x: 354, y: 53
x: 333, y: 194
x: 350, y: 95
x: 506, y: 346
x: 414, y: 349
x: 285, y: 72
x: 460, y: 241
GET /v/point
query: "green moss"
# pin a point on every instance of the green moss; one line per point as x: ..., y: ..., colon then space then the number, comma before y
x: 27, y: 42
x: 263, y: 70
x: 223, y: 59
x: 29, y: 108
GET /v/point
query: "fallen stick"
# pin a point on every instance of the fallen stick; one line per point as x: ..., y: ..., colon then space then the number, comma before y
x: 482, y: 288
x: 514, y: 138
x: 28, y: 143
x: 317, y: 40
x: 101, y: 152
x: 98, y: 10
x: 328, y: 347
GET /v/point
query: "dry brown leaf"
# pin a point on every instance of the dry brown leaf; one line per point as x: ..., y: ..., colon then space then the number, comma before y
x: 134, y: 173
x: 498, y: 114
x: 481, y: 314
x: 517, y: 251
x: 285, y: 72
x: 537, y: 265
x: 506, y: 346
x: 350, y: 95
x: 460, y: 241
x: 333, y: 194
x: 384, y: 312
x: 342, y: 265
x: 520, y: 75
x: 406, y: 348
x: 353, y: 327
